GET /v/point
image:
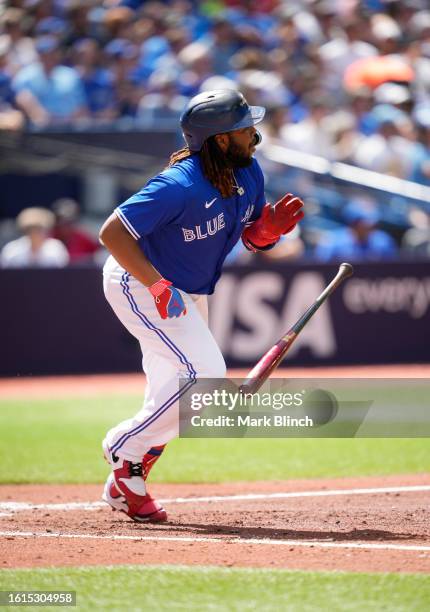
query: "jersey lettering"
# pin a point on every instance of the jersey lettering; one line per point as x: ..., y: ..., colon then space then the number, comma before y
x: 200, y: 236
x: 212, y: 226
x: 189, y: 235
x: 201, y: 232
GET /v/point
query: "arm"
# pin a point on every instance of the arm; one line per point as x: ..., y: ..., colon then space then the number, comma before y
x: 116, y: 238
x: 30, y: 105
x: 122, y: 245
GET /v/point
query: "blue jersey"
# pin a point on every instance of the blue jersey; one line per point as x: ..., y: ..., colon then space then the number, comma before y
x: 183, y: 225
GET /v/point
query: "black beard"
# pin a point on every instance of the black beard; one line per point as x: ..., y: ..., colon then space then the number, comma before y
x: 235, y: 158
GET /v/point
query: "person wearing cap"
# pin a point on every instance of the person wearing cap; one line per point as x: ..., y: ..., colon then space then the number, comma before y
x: 97, y: 80
x: 48, y: 92
x: 80, y: 244
x: 168, y: 243
x: 10, y: 118
x: 359, y: 240
x: 391, y: 149
x: 21, y: 52
x: 122, y: 57
x: 35, y: 248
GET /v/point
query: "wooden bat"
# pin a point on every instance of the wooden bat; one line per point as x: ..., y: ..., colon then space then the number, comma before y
x: 273, y: 357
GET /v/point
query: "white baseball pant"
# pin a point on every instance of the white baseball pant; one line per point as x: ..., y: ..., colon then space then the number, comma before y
x: 172, y: 349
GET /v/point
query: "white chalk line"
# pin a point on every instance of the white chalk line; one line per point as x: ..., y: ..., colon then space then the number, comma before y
x: 262, y: 541
x: 11, y: 507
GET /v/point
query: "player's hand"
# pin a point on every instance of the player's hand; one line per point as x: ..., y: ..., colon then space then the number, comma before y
x: 283, y: 216
x: 168, y: 299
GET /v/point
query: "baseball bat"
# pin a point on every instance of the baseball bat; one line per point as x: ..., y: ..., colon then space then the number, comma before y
x: 273, y: 357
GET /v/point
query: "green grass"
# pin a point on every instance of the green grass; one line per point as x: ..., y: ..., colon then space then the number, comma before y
x: 59, y: 441
x: 215, y: 589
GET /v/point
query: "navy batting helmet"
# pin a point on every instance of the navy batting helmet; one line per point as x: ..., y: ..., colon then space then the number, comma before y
x: 216, y: 112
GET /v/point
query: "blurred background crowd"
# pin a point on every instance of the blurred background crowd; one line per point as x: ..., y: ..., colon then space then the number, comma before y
x: 345, y: 81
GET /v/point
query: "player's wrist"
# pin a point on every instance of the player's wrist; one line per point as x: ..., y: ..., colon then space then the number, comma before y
x: 157, y: 288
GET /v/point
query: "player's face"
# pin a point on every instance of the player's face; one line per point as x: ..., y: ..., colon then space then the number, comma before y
x: 241, y: 147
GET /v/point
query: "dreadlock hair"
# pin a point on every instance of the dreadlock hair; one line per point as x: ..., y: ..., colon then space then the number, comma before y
x: 216, y: 167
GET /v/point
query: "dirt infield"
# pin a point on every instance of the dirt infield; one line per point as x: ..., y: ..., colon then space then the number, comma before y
x: 304, y: 524
x: 360, y: 524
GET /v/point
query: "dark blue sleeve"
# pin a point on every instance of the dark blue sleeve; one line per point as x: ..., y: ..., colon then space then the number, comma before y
x: 159, y: 203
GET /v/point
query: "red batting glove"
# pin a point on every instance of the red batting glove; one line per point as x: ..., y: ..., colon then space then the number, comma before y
x: 274, y: 221
x: 168, y: 299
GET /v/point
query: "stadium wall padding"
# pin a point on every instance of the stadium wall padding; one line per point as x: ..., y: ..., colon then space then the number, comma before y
x: 58, y: 322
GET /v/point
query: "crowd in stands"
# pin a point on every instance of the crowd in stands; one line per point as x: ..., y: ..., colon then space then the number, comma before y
x: 50, y: 238
x: 348, y: 80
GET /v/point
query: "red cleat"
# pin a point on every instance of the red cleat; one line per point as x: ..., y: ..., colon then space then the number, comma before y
x: 128, y: 498
x: 125, y: 488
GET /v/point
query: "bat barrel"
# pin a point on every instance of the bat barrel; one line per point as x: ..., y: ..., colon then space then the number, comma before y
x: 273, y: 357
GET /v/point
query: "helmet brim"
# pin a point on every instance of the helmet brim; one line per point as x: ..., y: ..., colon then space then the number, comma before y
x: 257, y: 113
x: 254, y: 116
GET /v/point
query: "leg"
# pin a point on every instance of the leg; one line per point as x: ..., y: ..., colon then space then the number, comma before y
x: 174, y: 349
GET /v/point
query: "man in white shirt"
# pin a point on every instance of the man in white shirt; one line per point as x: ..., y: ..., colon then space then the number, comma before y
x: 35, y: 248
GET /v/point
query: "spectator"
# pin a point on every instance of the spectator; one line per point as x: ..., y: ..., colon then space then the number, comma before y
x: 48, y: 92
x: 224, y: 44
x: 360, y: 240
x: 309, y: 135
x: 341, y: 128
x: 10, y: 118
x: 420, y: 172
x: 21, y: 47
x: 35, y: 248
x: 136, y: 60
x: 416, y: 241
x: 390, y: 150
x: 122, y: 58
x: 196, y: 59
x: 386, y: 34
x: 163, y: 100
x: 274, y: 120
x: 290, y: 247
x: 98, y: 82
x: 76, y: 13
x: 79, y: 243
x: 118, y: 21
x: 344, y: 49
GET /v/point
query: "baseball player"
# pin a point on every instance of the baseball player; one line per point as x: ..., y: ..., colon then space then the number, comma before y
x: 168, y: 243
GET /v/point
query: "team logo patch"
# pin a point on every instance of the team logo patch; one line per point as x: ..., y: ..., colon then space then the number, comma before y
x: 248, y: 213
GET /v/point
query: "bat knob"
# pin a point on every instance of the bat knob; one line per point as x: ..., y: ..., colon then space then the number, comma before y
x: 346, y: 269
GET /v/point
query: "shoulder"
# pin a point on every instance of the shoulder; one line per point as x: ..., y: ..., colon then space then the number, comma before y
x: 101, y: 76
x: 27, y: 73
x: 15, y: 253
x: 15, y: 246
x: 55, y: 245
x: 167, y: 187
x: 66, y: 73
x: 382, y: 238
x: 185, y: 173
x: 340, y: 236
